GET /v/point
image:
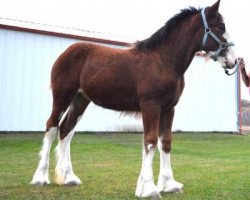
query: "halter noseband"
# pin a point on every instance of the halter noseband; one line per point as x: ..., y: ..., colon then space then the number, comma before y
x: 208, y: 32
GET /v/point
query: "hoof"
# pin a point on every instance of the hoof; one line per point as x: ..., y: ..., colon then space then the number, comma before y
x: 72, y: 183
x: 39, y: 183
x: 70, y: 180
x: 173, y: 186
x: 147, y: 189
x: 169, y: 185
x: 40, y: 179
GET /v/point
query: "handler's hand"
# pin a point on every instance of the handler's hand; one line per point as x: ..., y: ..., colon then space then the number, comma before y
x: 241, y: 63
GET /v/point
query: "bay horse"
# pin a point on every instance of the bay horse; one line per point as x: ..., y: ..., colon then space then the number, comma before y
x: 147, y: 78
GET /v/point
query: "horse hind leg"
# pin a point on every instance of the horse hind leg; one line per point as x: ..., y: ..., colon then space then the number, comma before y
x: 60, y: 104
x: 41, y: 176
x: 64, y: 174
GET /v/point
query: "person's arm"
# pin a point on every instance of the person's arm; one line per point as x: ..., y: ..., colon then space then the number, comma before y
x: 244, y: 75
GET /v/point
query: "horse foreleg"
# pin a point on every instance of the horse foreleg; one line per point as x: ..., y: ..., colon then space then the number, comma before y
x: 41, y: 176
x: 166, y: 180
x: 145, y: 184
x: 64, y: 170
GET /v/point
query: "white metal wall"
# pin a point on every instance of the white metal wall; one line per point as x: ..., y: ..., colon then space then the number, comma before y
x: 209, y: 101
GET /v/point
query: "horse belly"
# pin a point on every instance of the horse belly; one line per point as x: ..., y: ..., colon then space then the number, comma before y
x: 119, y: 103
x: 111, y: 90
x: 115, y: 99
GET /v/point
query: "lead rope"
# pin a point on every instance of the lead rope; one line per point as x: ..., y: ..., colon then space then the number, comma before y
x: 236, y: 66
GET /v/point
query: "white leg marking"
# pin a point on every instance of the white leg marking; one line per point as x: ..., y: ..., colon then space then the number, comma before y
x: 166, y: 182
x: 145, y: 184
x: 41, y: 175
x: 64, y: 171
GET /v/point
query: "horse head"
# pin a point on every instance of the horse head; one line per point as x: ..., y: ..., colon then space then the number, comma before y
x: 215, y: 41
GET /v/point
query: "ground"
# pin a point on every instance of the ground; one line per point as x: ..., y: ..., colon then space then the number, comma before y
x: 211, y: 166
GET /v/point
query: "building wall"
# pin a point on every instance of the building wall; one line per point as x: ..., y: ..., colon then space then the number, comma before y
x: 209, y: 101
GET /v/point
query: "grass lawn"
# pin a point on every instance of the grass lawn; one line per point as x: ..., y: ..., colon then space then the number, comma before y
x: 211, y: 166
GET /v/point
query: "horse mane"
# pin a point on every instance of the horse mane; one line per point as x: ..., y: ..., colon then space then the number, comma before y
x: 162, y: 34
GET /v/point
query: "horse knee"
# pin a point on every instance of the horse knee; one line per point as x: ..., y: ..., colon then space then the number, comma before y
x: 150, y: 142
x: 166, y: 144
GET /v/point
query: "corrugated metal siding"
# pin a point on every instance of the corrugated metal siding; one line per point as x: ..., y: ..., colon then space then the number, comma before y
x: 208, y: 103
x: 209, y: 100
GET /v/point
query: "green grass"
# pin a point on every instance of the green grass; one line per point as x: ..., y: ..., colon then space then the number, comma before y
x: 211, y: 166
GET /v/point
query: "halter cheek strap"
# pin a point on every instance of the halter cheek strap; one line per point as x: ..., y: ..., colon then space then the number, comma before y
x: 208, y: 32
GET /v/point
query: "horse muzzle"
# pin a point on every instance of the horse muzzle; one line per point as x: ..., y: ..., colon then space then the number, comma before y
x: 230, y: 65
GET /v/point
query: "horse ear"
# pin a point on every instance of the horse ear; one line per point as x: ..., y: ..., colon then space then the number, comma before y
x: 214, y: 8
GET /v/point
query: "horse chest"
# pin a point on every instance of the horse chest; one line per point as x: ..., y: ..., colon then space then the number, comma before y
x: 167, y: 93
x: 172, y: 95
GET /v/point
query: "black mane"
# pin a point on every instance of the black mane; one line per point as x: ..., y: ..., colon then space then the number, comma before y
x: 162, y: 34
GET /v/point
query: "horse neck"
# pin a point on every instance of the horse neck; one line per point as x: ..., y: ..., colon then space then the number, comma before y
x: 178, y: 51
